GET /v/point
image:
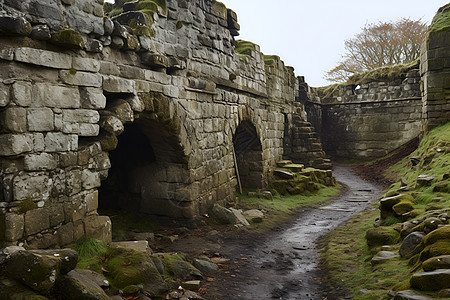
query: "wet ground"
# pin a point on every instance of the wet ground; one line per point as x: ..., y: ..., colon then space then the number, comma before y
x: 284, y: 264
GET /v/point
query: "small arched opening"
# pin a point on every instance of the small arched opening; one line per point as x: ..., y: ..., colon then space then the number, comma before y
x: 248, y: 150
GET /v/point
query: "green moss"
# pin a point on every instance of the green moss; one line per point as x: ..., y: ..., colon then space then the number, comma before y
x: 244, y: 47
x: 115, y: 12
x: 179, y: 25
x: 390, y: 220
x: 386, y: 73
x: 72, y: 71
x: 382, y: 236
x: 441, y: 247
x: 402, y: 286
x: 26, y: 205
x: 403, y: 207
x: 441, y: 20
x: 89, y: 247
x: 68, y: 37
x: 143, y: 31
x: 436, y: 235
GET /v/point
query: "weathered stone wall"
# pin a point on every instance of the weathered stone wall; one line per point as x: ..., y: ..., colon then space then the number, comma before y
x: 70, y: 98
x: 370, y: 120
x: 435, y: 71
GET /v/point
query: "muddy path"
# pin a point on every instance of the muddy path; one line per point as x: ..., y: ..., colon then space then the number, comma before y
x: 284, y: 264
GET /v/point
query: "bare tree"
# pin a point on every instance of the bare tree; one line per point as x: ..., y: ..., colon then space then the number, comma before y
x: 377, y: 45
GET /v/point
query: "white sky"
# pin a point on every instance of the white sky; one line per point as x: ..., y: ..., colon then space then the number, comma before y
x: 309, y: 35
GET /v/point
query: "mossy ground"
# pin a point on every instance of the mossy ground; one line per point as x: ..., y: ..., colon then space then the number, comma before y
x: 280, y: 208
x: 442, y: 20
x: 346, y: 254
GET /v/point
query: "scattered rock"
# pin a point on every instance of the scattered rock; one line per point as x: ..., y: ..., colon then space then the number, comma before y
x: 402, y: 207
x: 223, y: 215
x: 410, y: 295
x: 238, y: 214
x: 424, y: 180
x: 383, y: 256
x: 283, y: 174
x: 434, y: 263
x: 205, y: 266
x: 79, y: 284
x: 253, y: 213
x: 193, y: 285
x: 135, y: 245
x: 431, y: 281
x: 410, y: 243
x: 382, y: 236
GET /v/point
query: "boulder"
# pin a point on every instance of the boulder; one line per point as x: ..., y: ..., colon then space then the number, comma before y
x: 82, y: 284
x: 410, y: 243
x: 183, y: 270
x: 135, y: 245
x: 283, y: 174
x: 431, y: 281
x: 403, y: 207
x: 223, y: 215
x: 205, y: 266
x: 36, y: 271
x: 438, y: 262
x: 388, y: 202
x: 383, y: 256
x: 410, y: 295
x: 424, y: 180
x: 238, y: 214
x: 438, y: 234
x: 382, y: 236
x: 193, y: 285
x: 432, y: 223
x: 68, y: 258
x: 253, y: 213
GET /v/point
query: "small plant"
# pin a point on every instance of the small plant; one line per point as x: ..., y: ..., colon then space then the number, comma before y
x: 89, y: 247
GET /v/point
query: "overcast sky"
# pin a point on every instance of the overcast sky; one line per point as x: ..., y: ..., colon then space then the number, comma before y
x: 309, y: 34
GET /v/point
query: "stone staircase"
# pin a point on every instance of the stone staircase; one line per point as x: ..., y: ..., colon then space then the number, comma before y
x: 302, y: 145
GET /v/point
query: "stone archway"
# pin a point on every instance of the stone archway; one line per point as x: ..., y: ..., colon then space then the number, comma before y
x: 149, y: 169
x: 248, y: 149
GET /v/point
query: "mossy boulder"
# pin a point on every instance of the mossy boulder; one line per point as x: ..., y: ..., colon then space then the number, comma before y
x: 438, y: 262
x: 437, y: 235
x: 387, y: 203
x: 431, y: 281
x: 443, y: 187
x: 403, y: 207
x: 382, y: 236
x: 68, y: 38
x: 180, y: 269
x: 76, y: 285
x: 439, y: 248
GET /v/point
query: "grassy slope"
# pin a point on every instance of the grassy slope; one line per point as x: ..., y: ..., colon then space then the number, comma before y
x: 345, y: 251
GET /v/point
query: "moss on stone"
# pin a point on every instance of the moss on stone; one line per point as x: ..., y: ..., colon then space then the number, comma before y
x: 382, y: 236
x: 403, y: 207
x: 179, y: 25
x: 438, y: 262
x: 143, y: 31
x: 69, y: 37
x: 402, y: 286
x: 244, y: 47
x: 115, y: 12
x: 441, y: 247
x: 441, y: 20
x: 385, y: 73
x: 436, y: 235
x: 26, y: 205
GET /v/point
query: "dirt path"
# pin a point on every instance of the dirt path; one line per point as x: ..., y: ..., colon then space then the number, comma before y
x: 284, y: 264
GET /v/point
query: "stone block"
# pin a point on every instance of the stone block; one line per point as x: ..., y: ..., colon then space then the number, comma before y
x: 78, y: 230
x: 155, y: 60
x: 40, y: 162
x: 56, y: 214
x: 40, y: 119
x: 123, y: 111
x: 36, y: 220
x: 98, y: 227
x: 14, y: 119
x: 80, y: 78
x: 90, y: 179
x: 67, y: 159
x: 41, y: 32
x: 14, y: 26
x: 31, y: 186
x: 86, y: 64
x: 7, y: 54
x: 112, y: 124
x: 92, y: 98
x: 60, y: 142
x: 55, y: 96
x: 118, y: 85
x: 4, y: 95
x: 21, y: 93
x: 91, y: 201
x: 14, y: 227
x: 44, y: 58
x: 73, y: 182
x: 65, y: 234
x: 74, y: 211
x: 15, y: 144
x: 81, y: 116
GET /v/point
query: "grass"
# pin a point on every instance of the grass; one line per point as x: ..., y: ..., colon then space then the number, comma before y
x: 244, y: 47
x: 280, y: 208
x: 442, y: 20
x: 385, y: 73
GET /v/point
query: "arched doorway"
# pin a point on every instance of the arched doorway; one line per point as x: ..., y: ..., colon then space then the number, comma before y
x: 248, y: 150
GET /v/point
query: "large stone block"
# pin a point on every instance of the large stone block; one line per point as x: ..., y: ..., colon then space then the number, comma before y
x: 40, y: 162
x: 21, y: 93
x: 56, y: 214
x: 40, y: 119
x: 4, y: 95
x: 36, y: 220
x: 14, y: 227
x: 65, y: 234
x: 112, y: 124
x: 86, y: 64
x: 14, y: 26
x: 73, y: 180
x: 43, y: 58
x: 90, y: 179
x: 98, y: 227
x: 14, y: 144
x: 14, y: 119
x: 80, y: 78
x: 92, y: 98
x: 31, y: 186
x: 81, y: 116
x: 56, y: 142
x: 91, y: 201
x: 56, y: 96
x: 118, y: 85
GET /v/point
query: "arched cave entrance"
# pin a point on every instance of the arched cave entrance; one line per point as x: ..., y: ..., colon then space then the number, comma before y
x: 148, y: 172
x: 248, y: 149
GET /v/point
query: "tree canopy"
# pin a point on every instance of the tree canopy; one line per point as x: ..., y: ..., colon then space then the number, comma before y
x: 380, y: 44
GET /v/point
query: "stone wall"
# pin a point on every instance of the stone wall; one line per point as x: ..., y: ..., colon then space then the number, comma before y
x: 97, y: 113
x: 435, y: 71
x: 370, y: 120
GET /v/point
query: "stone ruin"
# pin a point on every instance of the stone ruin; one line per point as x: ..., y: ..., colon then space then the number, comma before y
x: 148, y: 111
